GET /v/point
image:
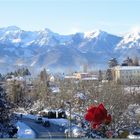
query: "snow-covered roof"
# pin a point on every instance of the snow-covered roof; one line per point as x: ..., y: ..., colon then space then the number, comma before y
x: 67, y: 77
x: 16, y: 78
x: 52, y: 78
x: 127, y: 67
x: 90, y: 78
x: 55, y: 89
x: 52, y: 110
x: 81, y: 73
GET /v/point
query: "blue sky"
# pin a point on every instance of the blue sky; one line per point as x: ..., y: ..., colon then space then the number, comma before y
x: 70, y: 16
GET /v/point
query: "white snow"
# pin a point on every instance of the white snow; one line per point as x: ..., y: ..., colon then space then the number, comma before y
x: 127, y: 68
x: 28, y: 44
x: 81, y: 96
x: 60, y: 122
x: 90, y: 78
x: 20, y: 110
x: 33, y: 63
x: 24, y: 131
x: 131, y: 89
x: 19, y: 78
x: 130, y: 40
x: 55, y: 89
x: 131, y: 136
x: 92, y: 34
x: 77, y: 132
x: 16, y: 40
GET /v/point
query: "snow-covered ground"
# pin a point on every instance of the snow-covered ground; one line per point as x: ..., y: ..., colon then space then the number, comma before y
x: 76, y: 130
x: 132, y: 89
x: 62, y: 122
x: 24, y: 131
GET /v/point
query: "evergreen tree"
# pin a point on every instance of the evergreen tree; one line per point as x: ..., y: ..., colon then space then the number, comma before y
x: 128, y: 62
x: 100, y: 76
x: 112, y: 62
x: 109, y: 76
x: 7, y: 129
x: 27, y: 72
x: 44, y: 76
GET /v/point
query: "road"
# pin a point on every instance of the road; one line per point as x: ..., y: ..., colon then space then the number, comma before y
x: 54, y: 131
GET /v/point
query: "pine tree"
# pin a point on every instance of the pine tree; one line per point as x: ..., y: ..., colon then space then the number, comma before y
x: 128, y: 62
x: 27, y: 72
x: 100, y: 76
x: 7, y: 129
x: 44, y: 76
x: 112, y: 62
x: 109, y: 76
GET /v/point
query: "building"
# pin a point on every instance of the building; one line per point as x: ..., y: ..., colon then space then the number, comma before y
x: 126, y: 74
x: 82, y: 75
x: 70, y: 77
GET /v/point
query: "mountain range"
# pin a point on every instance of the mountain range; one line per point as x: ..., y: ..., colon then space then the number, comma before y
x: 63, y: 53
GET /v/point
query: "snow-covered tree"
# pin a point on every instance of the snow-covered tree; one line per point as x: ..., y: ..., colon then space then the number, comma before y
x: 7, y: 129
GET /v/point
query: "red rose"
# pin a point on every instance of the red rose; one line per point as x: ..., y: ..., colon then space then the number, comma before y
x: 92, y: 108
x: 95, y: 126
x: 89, y: 116
x: 97, y: 115
x: 108, y: 119
x: 100, y: 114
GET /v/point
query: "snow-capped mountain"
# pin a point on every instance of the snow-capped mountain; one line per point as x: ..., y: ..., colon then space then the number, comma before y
x: 46, y: 49
x: 130, y: 40
x: 129, y: 45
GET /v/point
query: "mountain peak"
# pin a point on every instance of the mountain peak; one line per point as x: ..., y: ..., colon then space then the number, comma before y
x: 12, y: 28
x: 130, y: 40
x: 46, y: 30
x: 132, y: 36
x: 94, y: 34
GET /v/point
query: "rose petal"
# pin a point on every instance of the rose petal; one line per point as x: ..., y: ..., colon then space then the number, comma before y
x: 91, y: 109
x: 95, y: 126
x: 108, y: 119
x: 89, y: 116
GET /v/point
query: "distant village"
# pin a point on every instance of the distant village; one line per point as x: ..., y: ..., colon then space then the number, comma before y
x: 128, y: 72
x: 125, y: 73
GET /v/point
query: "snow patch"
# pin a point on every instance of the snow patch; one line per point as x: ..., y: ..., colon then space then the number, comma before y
x: 24, y: 131
x: 33, y: 63
x: 16, y: 40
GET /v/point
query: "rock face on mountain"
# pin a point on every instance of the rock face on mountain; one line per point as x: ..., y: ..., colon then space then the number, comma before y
x: 46, y: 49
